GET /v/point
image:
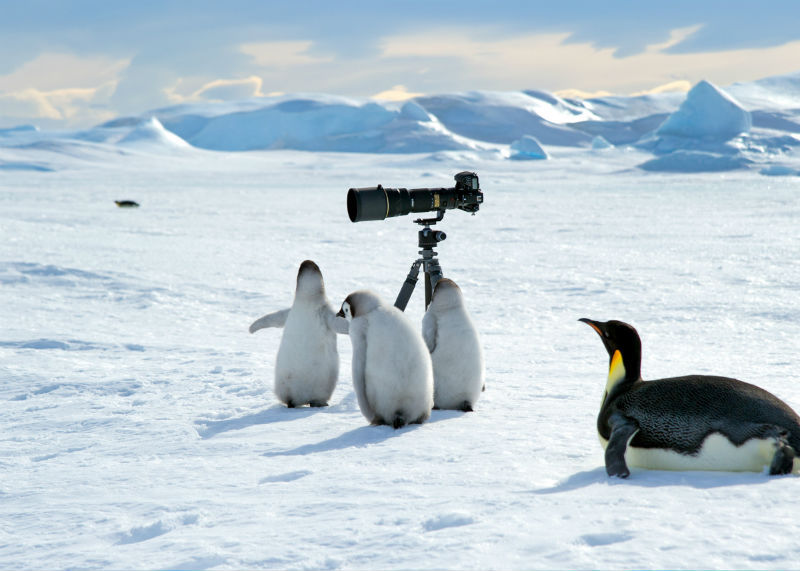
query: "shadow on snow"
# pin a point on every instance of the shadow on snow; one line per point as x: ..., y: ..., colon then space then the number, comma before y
x: 210, y: 428
x: 357, y: 438
x: 657, y: 479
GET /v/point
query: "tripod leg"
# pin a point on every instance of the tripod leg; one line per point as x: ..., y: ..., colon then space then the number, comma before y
x: 433, y: 273
x: 408, y: 287
x: 428, y: 290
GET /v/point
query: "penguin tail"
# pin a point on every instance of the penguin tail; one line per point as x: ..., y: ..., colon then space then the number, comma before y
x: 465, y: 406
x: 399, y: 420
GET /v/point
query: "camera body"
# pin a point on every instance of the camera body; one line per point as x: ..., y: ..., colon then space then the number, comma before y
x: 379, y: 203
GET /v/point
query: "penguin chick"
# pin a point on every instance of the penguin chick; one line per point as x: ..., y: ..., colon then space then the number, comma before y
x: 392, y: 372
x: 307, y: 365
x: 455, y: 349
x: 694, y: 422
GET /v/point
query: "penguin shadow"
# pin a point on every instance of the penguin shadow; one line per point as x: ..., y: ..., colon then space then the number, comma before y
x: 657, y: 479
x: 438, y: 415
x: 360, y: 437
x: 278, y: 413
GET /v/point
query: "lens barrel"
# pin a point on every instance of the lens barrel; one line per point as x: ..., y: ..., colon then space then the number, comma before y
x: 379, y: 203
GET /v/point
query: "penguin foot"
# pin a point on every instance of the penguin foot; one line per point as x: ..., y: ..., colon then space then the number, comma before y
x: 290, y: 403
x: 399, y: 420
x: 465, y: 406
x: 783, y: 460
x: 317, y: 403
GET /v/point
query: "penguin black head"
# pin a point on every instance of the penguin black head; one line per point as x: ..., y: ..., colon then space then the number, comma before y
x: 357, y: 304
x: 309, y: 279
x: 618, y: 336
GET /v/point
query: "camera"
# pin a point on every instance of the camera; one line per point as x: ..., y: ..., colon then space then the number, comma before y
x: 379, y: 203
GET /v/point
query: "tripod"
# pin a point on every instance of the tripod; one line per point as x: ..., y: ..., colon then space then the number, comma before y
x: 428, y: 238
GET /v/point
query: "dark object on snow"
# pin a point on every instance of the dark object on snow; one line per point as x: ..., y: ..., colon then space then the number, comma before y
x: 126, y: 203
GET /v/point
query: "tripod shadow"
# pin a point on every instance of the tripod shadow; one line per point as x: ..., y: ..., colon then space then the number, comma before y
x: 210, y: 428
x: 360, y: 437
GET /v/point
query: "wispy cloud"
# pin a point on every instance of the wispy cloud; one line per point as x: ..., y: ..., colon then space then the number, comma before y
x: 554, y: 62
x: 219, y: 90
x: 283, y: 54
x: 70, y: 107
x: 396, y: 93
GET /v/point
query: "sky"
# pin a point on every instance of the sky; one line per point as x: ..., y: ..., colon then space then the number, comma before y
x: 78, y: 63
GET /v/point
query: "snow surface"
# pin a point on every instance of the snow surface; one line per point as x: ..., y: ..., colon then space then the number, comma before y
x: 140, y: 429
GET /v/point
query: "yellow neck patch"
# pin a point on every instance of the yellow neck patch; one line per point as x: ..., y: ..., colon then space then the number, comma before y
x: 616, y: 371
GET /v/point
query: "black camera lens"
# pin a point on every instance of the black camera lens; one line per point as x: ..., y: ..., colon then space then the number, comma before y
x: 379, y: 203
x: 367, y: 204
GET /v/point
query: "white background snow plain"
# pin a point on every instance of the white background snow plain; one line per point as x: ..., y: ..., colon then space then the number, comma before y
x: 139, y: 426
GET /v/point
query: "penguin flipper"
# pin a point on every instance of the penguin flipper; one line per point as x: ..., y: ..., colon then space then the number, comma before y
x: 783, y: 460
x: 337, y: 324
x: 429, y: 330
x: 622, y: 430
x: 275, y: 319
x: 358, y: 338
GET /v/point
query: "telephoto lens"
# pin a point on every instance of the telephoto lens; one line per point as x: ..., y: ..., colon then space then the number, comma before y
x: 379, y: 203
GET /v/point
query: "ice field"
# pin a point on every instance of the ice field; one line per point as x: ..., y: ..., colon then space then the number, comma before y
x: 139, y: 426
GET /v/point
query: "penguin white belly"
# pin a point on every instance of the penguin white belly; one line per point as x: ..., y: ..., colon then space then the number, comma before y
x: 457, y: 363
x: 716, y: 454
x: 307, y: 365
x: 398, y: 370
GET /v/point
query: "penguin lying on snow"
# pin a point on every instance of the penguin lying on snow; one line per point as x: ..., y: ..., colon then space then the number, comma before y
x: 694, y: 422
x: 307, y: 366
x: 455, y: 349
x: 392, y: 372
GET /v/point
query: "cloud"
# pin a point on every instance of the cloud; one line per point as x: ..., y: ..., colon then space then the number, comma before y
x: 61, y: 87
x: 396, y: 93
x: 283, y: 54
x: 580, y: 93
x: 555, y: 61
x: 680, y: 86
x: 71, y: 106
x: 227, y: 89
x: 50, y: 71
x: 218, y: 90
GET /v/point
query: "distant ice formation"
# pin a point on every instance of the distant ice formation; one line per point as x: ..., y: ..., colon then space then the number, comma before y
x: 745, y: 126
x: 527, y: 148
x: 708, y: 113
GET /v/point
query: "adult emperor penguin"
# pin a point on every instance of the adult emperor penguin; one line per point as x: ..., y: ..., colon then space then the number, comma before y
x: 455, y: 349
x: 307, y: 366
x: 392, y: 371
x: 695, y: 422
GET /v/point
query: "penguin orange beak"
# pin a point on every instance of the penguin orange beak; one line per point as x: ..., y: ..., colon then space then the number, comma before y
x: 593, y: 324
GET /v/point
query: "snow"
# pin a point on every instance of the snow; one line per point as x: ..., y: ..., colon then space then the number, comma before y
x: 527, y: 148
x: 152, y: 133
x: 752, y: 125
x: 708, y: 113
x: 140, y: 428
x: 695, y: 161
x: 600, y: 142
